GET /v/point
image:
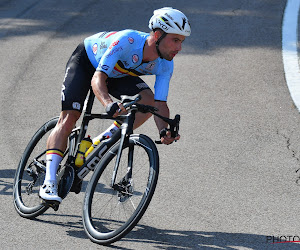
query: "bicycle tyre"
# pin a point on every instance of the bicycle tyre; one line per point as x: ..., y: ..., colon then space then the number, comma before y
x: 105, y: 229
x: 27, y: 203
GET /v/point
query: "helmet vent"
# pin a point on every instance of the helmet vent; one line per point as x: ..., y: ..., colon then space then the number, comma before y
x: 166, y: 21
x: 183, y: 23
x: 178, y: 26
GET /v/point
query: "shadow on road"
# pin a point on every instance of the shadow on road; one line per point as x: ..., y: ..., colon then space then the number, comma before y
x: 6, y: 181
x: 161, y: 239
x: 178, y: 239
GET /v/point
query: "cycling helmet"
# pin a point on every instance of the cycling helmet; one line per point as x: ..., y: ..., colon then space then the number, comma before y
x: 170, y: 21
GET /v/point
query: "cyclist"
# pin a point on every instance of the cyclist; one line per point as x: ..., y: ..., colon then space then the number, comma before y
x: 111, y: 63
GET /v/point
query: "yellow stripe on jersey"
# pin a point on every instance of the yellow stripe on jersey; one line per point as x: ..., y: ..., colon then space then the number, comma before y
x: 124, y: 71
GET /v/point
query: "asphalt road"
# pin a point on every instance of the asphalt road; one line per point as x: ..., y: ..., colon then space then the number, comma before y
x: 229, y: 183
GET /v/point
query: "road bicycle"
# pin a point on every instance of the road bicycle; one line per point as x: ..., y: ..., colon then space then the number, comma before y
x: 125, y: 166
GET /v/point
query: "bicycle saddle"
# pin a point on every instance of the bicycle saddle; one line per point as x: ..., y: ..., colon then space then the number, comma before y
x: 126, y: 98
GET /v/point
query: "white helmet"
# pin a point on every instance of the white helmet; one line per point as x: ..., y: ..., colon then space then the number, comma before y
x: 170, y: 21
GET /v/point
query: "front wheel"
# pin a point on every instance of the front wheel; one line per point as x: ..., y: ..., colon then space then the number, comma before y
x: 110, y: 212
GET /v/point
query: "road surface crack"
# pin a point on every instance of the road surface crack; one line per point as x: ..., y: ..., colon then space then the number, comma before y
x: 294, y: 153
x: 288, y: 145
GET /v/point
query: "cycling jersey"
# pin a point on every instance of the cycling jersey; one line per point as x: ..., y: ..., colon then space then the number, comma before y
x: 77, y: 82
x: 120, y: 54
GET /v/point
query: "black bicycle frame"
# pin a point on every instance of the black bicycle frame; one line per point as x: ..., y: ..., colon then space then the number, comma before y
x: 123, y: 134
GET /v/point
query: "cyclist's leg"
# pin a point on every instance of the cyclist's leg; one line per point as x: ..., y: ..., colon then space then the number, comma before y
x: 76, y: 85
x: 147, y: 99
x: 56, y: 145
x: 58, y: 138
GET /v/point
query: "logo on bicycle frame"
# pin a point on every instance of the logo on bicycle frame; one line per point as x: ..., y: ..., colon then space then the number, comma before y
x: 92, y: 163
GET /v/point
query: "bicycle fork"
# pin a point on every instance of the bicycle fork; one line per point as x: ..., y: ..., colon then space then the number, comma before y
x: 126, y: 131
x: 125, y: 186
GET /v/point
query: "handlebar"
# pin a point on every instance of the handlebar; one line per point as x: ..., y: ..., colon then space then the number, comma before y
x: 131, y: 103
x: 173, y: 123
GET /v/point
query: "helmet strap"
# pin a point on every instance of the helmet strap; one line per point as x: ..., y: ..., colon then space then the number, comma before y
x: 157, y: 43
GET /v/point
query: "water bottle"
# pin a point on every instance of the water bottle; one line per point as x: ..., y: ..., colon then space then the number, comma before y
x: 92, y: 147
x: 105, y: 135
x: 85, y: 144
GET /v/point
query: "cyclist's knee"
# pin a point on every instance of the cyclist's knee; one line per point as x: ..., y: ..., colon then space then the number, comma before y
x: 147, y: 97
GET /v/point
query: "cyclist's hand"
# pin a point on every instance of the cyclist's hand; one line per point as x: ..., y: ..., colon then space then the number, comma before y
x: 115, y: 109
x: 121, y: 110
x: 168, y: 139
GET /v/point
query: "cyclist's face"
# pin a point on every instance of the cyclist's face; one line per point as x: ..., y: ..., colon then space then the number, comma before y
x: 171, y: 45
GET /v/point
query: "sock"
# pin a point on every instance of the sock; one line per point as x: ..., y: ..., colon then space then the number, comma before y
x: 108, y: 132
x: 53, y: 158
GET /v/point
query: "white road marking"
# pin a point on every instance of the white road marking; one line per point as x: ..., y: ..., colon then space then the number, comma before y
x: 289, y: 49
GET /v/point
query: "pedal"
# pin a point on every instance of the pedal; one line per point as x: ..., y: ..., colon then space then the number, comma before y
x: 53, y: 204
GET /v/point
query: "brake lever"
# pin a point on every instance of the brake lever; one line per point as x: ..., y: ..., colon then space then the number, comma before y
x: 174, y: 127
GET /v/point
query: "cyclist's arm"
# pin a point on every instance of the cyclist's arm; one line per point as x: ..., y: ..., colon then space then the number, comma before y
x: 100, y: 89
x: 163, y: 110
x: 101, y: 92
x: 161, y: 94
x: 105, y: 67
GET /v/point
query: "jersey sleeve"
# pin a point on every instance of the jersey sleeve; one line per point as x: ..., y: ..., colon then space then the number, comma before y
x: 114, y: 52
x: 162, y: 82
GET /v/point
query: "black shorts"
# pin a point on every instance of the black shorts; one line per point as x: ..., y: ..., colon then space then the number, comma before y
x: 77, y: 82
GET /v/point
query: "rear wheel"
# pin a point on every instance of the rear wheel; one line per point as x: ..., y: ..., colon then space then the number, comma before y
x: 111, y: 212
x: 30, y: 174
